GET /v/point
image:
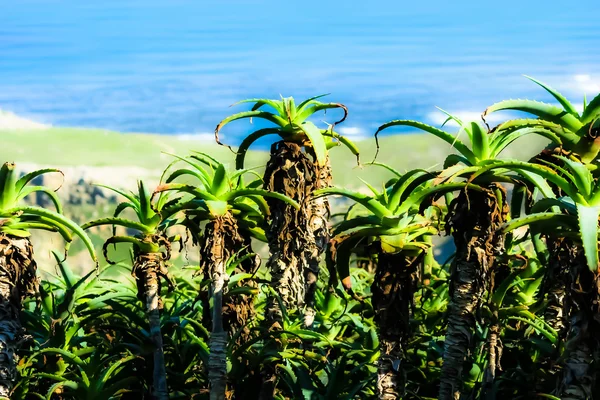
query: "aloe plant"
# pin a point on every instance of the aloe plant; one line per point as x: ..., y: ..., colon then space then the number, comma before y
x: 569, y: 129
x: 152, y: 250
x: 400, y: 238
x: 69, y: 360
x: 572, y: 223
x: 297, y: 238
x: 17, y: 265
x: 474, y: 219
x: 233, y: 213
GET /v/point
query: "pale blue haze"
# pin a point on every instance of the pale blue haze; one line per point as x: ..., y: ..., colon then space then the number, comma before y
x: 175, y: 66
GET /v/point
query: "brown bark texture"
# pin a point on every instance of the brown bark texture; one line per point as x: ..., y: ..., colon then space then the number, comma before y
x: 17, y: 281
x: 297, y: 238
x: 473, y: 219
x: 393, y: 291
x: 149, y: 270
x: 222, y: 242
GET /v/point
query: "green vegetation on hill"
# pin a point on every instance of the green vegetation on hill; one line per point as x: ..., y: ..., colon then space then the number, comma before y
x: 97, y: 148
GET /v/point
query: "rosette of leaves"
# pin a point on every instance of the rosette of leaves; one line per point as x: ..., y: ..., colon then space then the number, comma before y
x: 563, y: 124
x: 17, y: 265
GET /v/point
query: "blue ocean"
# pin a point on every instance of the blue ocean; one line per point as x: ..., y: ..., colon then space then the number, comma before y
x: 175, y: 67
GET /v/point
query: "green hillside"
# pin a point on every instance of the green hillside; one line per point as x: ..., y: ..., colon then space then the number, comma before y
x: 96, y: 147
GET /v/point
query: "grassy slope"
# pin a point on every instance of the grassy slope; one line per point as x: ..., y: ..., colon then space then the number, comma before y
x: 95, y: 147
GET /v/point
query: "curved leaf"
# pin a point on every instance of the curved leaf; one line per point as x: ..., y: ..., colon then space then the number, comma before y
x: 62, y: 220
x: 559, y: 97
x: 542, y: 110
x: 445, y: 136
x: 591, y: 111
x: 249, y: 140
x: 316, y: 140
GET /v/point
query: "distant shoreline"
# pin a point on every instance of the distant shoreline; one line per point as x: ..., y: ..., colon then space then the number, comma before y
x: 11, y: 121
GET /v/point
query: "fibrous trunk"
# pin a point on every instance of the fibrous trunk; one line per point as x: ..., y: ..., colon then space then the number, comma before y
x: 561, y: 254
x: 238, y: 310
x: 17, y: 280
x: 393, y: 290
x: 579, y: 378
x: 221, y: 242
x: 297, y: 238
x: 474, y: 218
x: 149, y: 269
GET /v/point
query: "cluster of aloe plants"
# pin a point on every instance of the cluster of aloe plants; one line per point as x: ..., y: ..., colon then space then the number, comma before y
x: 350, y: 304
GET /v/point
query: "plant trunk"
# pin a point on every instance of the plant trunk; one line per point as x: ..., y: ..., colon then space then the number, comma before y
x: 221, y: 242
x: 238, y: 310
x: 579, y: 378
x: 296, y: 238
x: 561, y: 255
x: 317, y: 229
x: 393, y: 289
x: 494, y: 348
x: 473, y: 218
x: 148, y: 270
x: 17, y: 280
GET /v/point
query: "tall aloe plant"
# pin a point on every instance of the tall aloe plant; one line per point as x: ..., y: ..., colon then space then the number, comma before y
x: 152, y: 250
x: 17, y: 265
x: 399, y: 237
x: 573, y: 218
x: 578, y: 134
x: 297, y: 238
x: 233, y: 213
x: 474, y: 219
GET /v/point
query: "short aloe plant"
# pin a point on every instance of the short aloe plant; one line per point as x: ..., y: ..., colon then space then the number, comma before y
x: 233, y: 213
x: 152, y: 249
x: 399, y: 237
x: 17, y: 265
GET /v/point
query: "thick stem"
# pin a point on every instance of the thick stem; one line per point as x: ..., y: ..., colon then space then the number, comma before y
x: 148, y: 269
x: 297, y: 238
x: 393, y: 290
x: 217, y: 363
x: 317, y: 239
x: 579, y: 378
x: 17, y: 280
x: 465, y: 296
x: 562, y: 253
x: 474, y: 219
x: 221, y: 242
x: 494, y: 348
